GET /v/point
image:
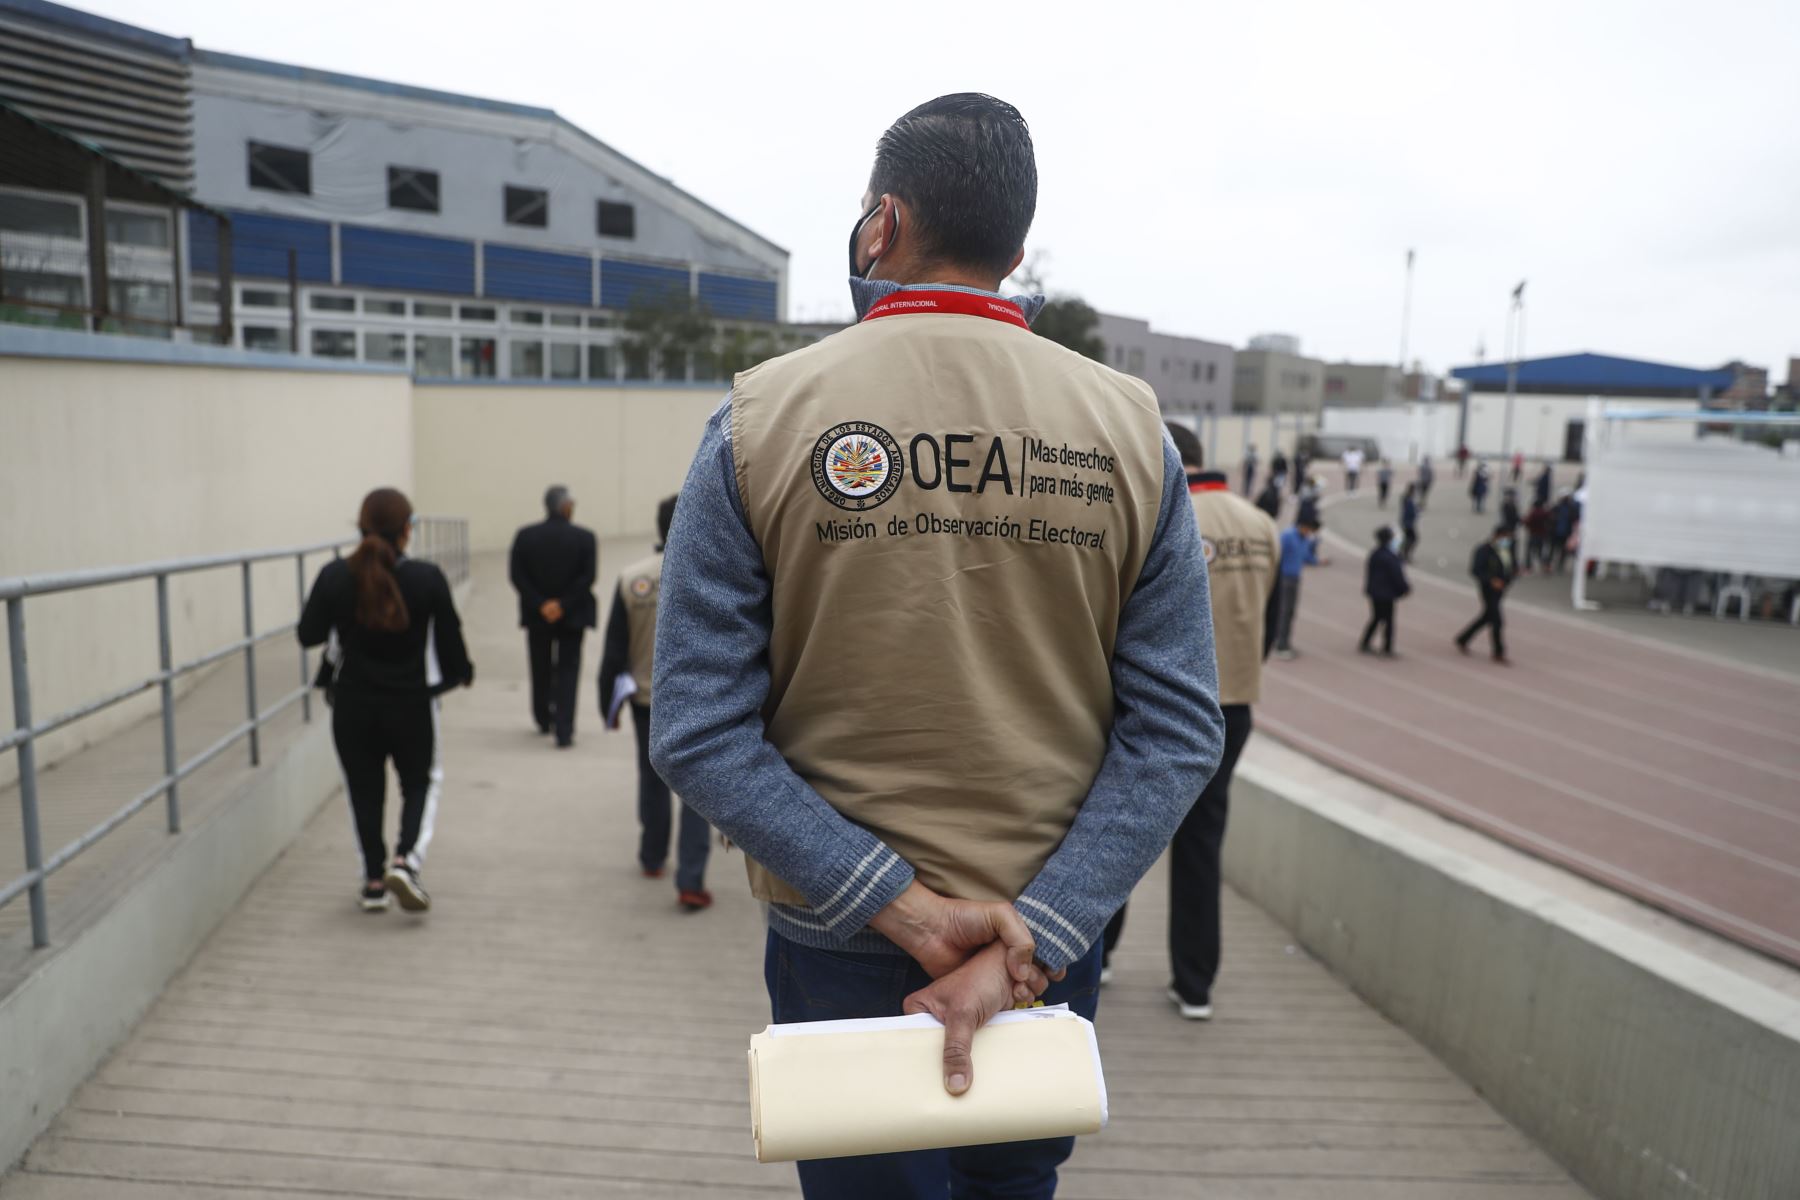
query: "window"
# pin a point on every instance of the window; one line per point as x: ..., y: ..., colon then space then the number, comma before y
x: 477, y: 358
x: 1119, y: 355
x: 617, y: 220
x: 413, y: 188
x: 1197, y: 371
x: 333, y: 303
x: 1212, y: 371
x: 262, y: 298
x: 44, y: 287
x: 475, y: 312
x: 280, y: 169
x: 140, y: 298
x: 637, y: 362
x: 204, y: 293
x: 566, y: 320
x: 40, y: 214
x: 599, y: 322
x: 527, y: 360
x: 599, y: 363
x: 527, y: 316
x: 1134, y: 362
x: 433, y: 357
x: 428, y: 310
x: 334, y: 343
x: 565, y: 360
x: 265, y: 337
x: 674, y: 366
x: 376, y: 307
x: 137, y: 229
x: 527, y: 206
x: 384, y: 348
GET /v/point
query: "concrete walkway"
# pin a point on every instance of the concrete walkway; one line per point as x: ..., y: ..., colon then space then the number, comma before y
x: 556, y: 1028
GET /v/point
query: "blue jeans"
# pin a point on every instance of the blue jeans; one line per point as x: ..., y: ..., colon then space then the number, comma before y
x: 654, y: 799
x: 831, y: 985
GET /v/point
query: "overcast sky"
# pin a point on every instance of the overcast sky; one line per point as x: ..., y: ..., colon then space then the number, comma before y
x: 1219, y: 170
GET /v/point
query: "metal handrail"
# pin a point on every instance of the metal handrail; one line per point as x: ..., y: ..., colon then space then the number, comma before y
x: 444, y: 540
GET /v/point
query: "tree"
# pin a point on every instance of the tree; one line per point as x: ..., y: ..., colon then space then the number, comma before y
x: 1065, y: 319
x: 662, y: 331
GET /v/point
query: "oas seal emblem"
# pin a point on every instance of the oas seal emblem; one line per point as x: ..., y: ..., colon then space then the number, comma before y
x: 640, y: 587
x: 1207, y: 550
x: 856, y: 465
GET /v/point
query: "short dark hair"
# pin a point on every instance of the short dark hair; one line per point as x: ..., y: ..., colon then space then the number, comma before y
x: 1187, y: 444
x: 665, y: 517
x: 965, y: 166
x: 1384, y: 535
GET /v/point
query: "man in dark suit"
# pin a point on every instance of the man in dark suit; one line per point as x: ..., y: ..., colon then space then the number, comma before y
x: 1492, y: 567
x: 1384, y: 582
x: 553, y: 565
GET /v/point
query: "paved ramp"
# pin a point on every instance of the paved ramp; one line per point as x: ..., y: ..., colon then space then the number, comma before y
x: 556, y: 1028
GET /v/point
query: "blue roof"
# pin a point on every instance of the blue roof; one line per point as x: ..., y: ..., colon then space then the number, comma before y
x: 1597, y: 373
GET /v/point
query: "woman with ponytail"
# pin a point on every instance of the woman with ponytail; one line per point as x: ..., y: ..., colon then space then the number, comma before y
x: 398, y: 645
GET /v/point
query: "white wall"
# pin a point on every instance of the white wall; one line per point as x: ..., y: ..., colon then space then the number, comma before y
x: 1540, y: 422
x: 109, y: 462
x: 1225, y: 436
x: 1405, y: 433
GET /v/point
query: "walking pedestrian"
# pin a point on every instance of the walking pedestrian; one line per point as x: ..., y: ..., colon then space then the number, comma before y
x: 1491, y: 566
x: 1409, y: 523
x: 626, y: 661
x: 1299, y: 550
x: 1562, y: 530
x: 1518, y: 465
x: 1462, y: 460
x: 1426, y: 476
x: 1309, y: 496
x: 917, y: 838
x: 1384, y: 583
x: 553, y: 564
x: 1384, y: 479
x: 1537, y: 544
x: 1269, y: 499
x: 1242, y: 567
x: 1278, y: 469
x: 1478, y: 487
x: 1302, y: 460
x: 1249, y: 467
x: 1541, y: 487
x: 1353, y: 465
x: 397, y: 645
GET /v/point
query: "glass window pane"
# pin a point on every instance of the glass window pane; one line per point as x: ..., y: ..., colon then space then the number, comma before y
x: 383, y: 308
x: 617, y: 220
x: 262, y: 298
x: 565, y: 360
x: 527, y: 316
x: 477, y: 358
x: 140, y: 298
x: 599, y: 363
x: 674, y: 366
x: 44, y: 287
x: 431, y: 311
x: 384, y: 348
x: 637, y: 362
x: 280, y: 169
x: 475, y: 312
x: 265, y: 337
x: 599, y: 322
x: 333, y: 303
x: 432, y: 356
x: 137, y: 228
x: 204, y: 293
x: 566, y: 320
x: 527, y: 360
x: 40, y: 214
x: 334, y: 343
x: 413, y: 188
x: 527, y: 206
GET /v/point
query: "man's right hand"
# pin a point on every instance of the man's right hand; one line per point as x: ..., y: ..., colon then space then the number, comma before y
x: 942, y: 934
x: 551, y: 611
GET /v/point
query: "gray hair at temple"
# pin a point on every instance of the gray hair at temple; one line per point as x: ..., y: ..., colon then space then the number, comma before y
x: 555, y: 496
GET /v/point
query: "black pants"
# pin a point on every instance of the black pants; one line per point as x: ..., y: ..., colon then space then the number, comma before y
x: 1350, y: 478
x: 1194, y: 874
x: 1381, y: 616
x: 368, y: 731
x: 1491, y: 618
x: 555, y: 672
x: 1381, y: 491
x: 654, y: 800
x: 1409, y: 539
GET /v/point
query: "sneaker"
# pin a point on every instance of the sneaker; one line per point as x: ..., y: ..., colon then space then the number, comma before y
x: 403, y: 881
x: 1286, y: 655
x: 374, y: 896
x: 652, y: 872
x: 694, y: 901
x: 1105, y: 976
x: 1190, y: 1012
x: 1462, y: 648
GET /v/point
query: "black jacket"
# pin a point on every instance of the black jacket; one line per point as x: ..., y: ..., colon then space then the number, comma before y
x: 1385, y: 577
x: 1488, y: 565
x: 377, y: 662
x: 555, y: 560
x: 1269, y: 500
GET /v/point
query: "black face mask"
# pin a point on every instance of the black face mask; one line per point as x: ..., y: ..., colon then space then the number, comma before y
x: 856, y: 232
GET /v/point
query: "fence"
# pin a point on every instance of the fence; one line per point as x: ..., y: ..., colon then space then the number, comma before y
x: 441, y: 539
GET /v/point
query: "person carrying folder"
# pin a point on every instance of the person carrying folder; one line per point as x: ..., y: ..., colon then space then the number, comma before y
x: 625, y: 665
x: 934, y: 643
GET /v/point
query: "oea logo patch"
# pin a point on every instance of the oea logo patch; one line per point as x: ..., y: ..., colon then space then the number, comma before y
x: 857, y: 465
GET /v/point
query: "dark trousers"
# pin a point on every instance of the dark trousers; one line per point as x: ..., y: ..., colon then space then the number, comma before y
x: 1287, y: 593
x: 1490, y: 617
x: 1424, y: 495
x: 653, y: 816
x: 368, y: 731
x: 1249, y: 476
x: 1479, y: 499
x: 1409, y: 540
x: 1194, y: 874
x: 1350, y: 479
x: 1381, y: 492
x: 833, y: 985
x: 555, y: 672
x: 1381, y: 616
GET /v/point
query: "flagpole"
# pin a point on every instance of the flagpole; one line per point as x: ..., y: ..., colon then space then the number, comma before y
x: 1405, y: 321
x: 1515, y: 336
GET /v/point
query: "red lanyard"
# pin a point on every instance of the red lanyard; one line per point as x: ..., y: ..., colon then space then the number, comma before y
x: 932, y: 300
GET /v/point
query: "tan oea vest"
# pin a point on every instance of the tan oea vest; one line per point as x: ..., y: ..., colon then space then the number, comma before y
x: 639, y: 589
x: 953, y: 511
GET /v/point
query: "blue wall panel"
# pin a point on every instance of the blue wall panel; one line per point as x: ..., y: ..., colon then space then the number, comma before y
x: 260, y: 245
x: 515, y: 273
x: 737, y: 298
x: 386, y: 259
x: 624, y: 284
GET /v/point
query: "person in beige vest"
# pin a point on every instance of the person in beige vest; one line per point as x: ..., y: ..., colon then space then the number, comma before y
x: 1243, y: 564
x: 933, y: 645
x: 626, y: 662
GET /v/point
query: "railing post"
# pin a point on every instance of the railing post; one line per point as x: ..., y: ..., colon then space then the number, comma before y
x: 166, y: 657
x: 21, y: 694
x: 250, y: 670
x: 299, y: 608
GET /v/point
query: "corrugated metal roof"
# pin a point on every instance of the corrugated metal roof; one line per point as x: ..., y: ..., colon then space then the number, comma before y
x: 1597, y: 373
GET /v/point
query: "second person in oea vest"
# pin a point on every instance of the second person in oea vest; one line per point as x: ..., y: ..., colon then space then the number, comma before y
x: 626, y: 661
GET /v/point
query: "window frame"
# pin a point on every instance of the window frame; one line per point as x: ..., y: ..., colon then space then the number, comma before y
x: 399, y: 176
x: 605, y: 208
x: 251, y: 146
x: 515, y: 205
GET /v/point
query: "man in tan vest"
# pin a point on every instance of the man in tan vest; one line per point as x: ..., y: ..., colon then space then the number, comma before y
x: 625, y: 670
x: 1243, y: 563
x: 933, y: 645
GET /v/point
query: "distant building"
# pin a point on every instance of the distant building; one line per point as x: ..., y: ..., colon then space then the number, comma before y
x: 1273, y: 377
x: 1188, y: 374
x: 458, y: 236
x: 1362, y: 385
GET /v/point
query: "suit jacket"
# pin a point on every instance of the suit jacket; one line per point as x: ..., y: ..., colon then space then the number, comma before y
x: 1488, y: 565
x: 555, y: 560
x: 1385, y: 578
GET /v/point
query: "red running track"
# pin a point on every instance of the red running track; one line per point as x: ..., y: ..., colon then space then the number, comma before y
x: 1669, y: 776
